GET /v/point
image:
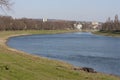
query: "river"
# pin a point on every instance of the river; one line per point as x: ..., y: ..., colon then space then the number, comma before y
x: 80, y: 49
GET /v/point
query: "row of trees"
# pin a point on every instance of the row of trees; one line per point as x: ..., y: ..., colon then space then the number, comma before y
x: 8, y: 23
x: 111, y: 25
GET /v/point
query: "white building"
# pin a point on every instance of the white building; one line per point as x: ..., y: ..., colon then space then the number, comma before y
x: 95, y: 25
x: 78, y: 26
x: 45, y: 19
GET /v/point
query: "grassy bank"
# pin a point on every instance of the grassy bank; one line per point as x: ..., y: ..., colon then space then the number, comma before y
x: 104, y: 33
x: 17, y: 65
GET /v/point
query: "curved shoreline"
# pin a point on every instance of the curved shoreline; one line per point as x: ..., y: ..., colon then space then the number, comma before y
x: 13, y: 49
x: 4, y: 41
x: 74, y: 67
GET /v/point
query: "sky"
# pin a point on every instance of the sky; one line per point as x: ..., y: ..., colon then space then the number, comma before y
x: 79, y: 10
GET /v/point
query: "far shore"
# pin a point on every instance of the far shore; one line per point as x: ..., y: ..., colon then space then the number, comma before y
x: 107, y: 34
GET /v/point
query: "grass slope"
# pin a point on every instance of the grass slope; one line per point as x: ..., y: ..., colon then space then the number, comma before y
x: 17, y: 65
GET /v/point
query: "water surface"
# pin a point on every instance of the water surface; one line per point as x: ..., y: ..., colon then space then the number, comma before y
x: 80, y: 49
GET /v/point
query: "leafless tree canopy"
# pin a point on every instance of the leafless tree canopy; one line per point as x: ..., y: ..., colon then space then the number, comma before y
x: 5, y: 4
x: 8, y: 23
x: 111, y: 25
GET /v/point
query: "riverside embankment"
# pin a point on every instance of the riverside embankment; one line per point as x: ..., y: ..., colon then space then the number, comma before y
x: 16, y: 65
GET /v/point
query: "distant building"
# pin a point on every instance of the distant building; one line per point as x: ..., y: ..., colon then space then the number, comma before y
x: 45, y: 19
x: 78, y: 26
x: 95, y: 25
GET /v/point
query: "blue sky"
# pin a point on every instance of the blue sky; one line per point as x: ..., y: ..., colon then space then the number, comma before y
x: 82, y: 10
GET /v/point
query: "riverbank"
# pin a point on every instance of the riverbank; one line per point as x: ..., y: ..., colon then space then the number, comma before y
x: 112, y: 34
x: 16, y: 65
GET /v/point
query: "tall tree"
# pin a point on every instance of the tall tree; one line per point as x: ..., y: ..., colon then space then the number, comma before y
x: 111, y: 25
x: 116, y: 19
x: 117, y: 23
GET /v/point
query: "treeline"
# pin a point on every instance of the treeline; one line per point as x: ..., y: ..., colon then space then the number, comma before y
x: 8, y: 23
x: 111, y: 25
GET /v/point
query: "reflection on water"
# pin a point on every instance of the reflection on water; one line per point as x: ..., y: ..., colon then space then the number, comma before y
x: 80, y: 49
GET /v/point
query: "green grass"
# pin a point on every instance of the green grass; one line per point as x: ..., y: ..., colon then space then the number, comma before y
x: 17, y: 65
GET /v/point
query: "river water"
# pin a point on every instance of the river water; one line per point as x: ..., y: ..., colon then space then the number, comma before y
x: 80, y: 49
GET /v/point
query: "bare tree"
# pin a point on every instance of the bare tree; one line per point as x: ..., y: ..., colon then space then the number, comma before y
x: 5, y: 4
x: 111, y: 25
x: 116, y: 19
